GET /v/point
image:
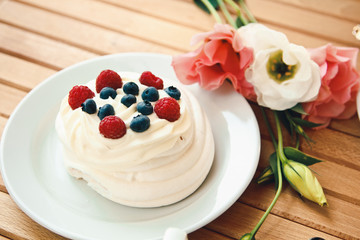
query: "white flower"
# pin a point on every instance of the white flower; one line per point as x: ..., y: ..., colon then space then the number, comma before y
x: 282, y: 73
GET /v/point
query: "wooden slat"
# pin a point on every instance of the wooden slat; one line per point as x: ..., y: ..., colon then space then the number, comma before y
x: 31, y: 39
x: 10, y: 98
x: 321, y: 25
x: 22, y: 74
x: 331, y: 172
x: 334, y: 219
x: 2, y: 185
x: 122, y: 20
x: 301, y: 38
x: 350, y: 126
x: 39, y: 49
x: 181, y: 12
x: 345, y: 9
x: 204, y: 234
x: 236, y: 221
x: 3, y: 122
x: 77, y: 33
x: 329, y: 147
x: 328, y: 138
x: 342, y: 208
x: 15, y: 224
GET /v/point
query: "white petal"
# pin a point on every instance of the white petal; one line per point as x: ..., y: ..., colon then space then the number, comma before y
x: 260, y: 37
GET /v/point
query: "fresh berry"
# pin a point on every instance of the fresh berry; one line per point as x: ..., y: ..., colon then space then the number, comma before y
x: 173, y: 92
x: 149, y: 79
x: 112, y: 127
x: 145, y: 108
x: 131, y: 88
x: 78, y: 95
x: 150, y: 94
x: 89, y: 106
x: 107, y: 92
x: 140, y: 123
x: 108, y: 78
x: 128, y: 100
x: 106, y: 110
x: 167, y: 108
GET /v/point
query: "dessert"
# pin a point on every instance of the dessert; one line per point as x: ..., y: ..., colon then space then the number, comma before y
x: 134, y: 139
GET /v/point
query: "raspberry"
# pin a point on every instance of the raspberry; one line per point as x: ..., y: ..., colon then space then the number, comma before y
x: 167, y: 108
x: 112, y: 127
x: 78, y: 95
x: 108, y: 78
x: 149, y: 79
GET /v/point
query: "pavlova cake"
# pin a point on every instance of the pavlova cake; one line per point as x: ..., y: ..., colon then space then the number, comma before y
x: 134, y: 140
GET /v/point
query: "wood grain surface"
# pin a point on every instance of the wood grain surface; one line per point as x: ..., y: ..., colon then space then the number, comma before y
x: 40, y: 37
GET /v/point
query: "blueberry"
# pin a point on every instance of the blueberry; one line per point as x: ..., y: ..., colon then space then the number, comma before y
x: 128, y: 100
x: 107, y: 92
x: 145, y: 108
x: 150, y: 94
x: 89, y: 106
x: 140, y: 123
x: 131, y: 88
x: 106, y: 110
x: 173, y: 92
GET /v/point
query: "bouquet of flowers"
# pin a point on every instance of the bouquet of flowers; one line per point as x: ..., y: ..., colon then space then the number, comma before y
x: 303, y: 88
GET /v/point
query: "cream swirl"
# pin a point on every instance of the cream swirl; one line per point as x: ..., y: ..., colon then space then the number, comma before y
x: 157, y: 167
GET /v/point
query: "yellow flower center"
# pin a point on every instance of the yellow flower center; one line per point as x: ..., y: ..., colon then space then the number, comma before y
x: 277, y: 69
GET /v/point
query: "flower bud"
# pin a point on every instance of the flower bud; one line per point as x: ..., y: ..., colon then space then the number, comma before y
x: 302, y: 180
x: 266, y: 175
x: 247, y: 236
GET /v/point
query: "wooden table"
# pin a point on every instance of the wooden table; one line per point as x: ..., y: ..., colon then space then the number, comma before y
x: 40, y: 37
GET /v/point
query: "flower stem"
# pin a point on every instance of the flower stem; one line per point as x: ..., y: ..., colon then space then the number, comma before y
x: 268, y: 127
x: 226, y: 13
x: 280, y: 149
x: 248, y: 12
x: 268, y: 210
x: 243, y: 20
x: 212, y: 10
x: 279, y: 175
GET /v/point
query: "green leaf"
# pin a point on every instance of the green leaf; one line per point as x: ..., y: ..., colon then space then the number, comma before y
x: 273, y: 165
x: 286, y: 122
x: 201, y: 5
x: 266, y: 176
x: 239, y: 23
x: 299, y: 109
x: 298, y: 156
x: 305, y: 123
x: 301, y: 132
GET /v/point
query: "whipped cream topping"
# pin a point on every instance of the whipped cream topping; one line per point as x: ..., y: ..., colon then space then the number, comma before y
x: 157, y: 167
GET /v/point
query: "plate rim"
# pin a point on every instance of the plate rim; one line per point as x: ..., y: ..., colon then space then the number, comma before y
x: 51, y: 78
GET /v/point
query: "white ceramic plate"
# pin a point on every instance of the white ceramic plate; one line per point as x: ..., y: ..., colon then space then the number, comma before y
x: 35, y: 178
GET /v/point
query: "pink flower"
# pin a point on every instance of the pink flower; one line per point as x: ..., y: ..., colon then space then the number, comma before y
x: 221, y: 56
x: 339, y: 84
